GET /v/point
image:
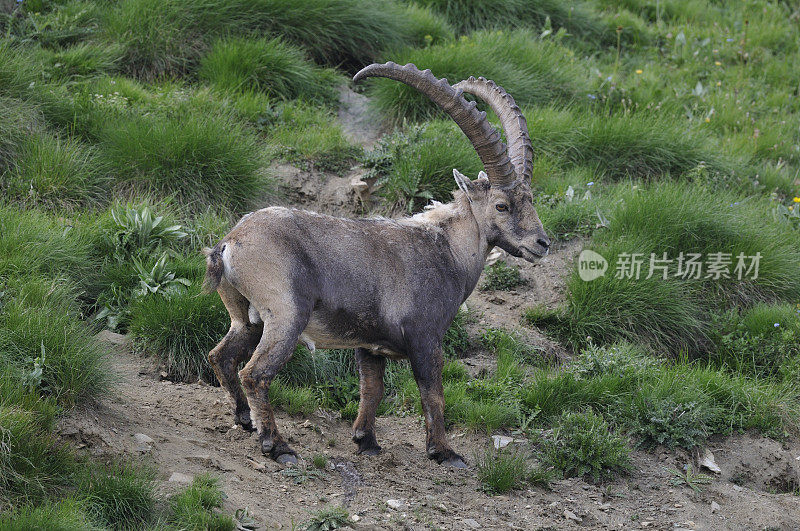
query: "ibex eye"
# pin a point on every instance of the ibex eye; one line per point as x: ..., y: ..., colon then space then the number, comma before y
x: 501, y: 207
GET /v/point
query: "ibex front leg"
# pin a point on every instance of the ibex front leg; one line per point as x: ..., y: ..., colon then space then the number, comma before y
x: 427, y: 368
x: 370, y: 372
x: 273, y: 351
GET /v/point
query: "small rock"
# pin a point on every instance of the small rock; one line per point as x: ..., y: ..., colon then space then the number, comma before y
x: 501, y: 441
x: 108, y: 336
x: 646, y: 524
x: 714, y: 507
x: 442, y: 507
x: 738, y: 488
x: 258, y: 466
x: 396, y: 504
x: 177, y: 477
x: 707, y: 461
x: 472, y: 524
x: 164, y: 375
x: 354, y: 518
x: 604, y: 506
x: 553, y: 504
x: 141, y: 438
x: 569, y: 515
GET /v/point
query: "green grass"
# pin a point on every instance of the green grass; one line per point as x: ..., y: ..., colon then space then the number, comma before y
x: 534, y: 71
x: 326, y: 519
x: 673, y: 315
x: 64, y: 515
x: 268, y: 65
x: 53, y: 171
x: 169, y: 38
x: 198, y: 506
x: 308, y: 135
x: 120, y: 495
x: 501, y: 276
x: 40, y: 327
x: 201, y: 159
x: 501, y: 471
x: 415, y: 165
x: 470, y: 15
x: 426, y: 27
x: 180, y: 330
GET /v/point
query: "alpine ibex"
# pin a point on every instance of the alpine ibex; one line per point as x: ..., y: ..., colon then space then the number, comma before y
x: 385, y: 287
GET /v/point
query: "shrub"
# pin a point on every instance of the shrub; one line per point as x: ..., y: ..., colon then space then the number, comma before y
x: 501, y: 276
x: 501, y: 471
x: 582, y: 444
x: 763, y: 342
x: 201, y: 159
x: 180, y: 330
x: 194, y: 508
x: 415, y: 165
x: 269, y: 65
x: 534, y: 71
x: 667, y: 421
x: 327, y: 519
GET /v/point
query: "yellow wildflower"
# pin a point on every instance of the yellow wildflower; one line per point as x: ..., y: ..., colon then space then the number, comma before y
x: 796, y: 199
x: 708, y: 119
x: 639, y: 71
x: 717, y: 63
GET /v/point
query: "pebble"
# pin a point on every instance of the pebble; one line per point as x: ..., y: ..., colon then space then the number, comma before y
x: 178, y: 477
x: 569, y: 515
x: 714, y: 507
x: 396, y: 504
x: 604, y: 506
x: 472, y: 524
x: 501, y: 441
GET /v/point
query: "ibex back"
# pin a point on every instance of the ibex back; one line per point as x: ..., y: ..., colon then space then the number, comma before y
x: 388, y: 288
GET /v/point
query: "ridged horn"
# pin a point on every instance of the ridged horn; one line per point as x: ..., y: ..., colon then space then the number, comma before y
x: 520, y: 150
x: 485, y: 139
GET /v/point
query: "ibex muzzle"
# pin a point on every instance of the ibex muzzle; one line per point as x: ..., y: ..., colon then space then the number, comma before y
x: 387, y: 288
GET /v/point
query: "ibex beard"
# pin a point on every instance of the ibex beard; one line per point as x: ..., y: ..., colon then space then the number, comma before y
x: 387, y: 288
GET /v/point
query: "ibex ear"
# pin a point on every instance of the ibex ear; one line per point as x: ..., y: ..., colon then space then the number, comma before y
x: 464, y: 183
x: 482, y: 176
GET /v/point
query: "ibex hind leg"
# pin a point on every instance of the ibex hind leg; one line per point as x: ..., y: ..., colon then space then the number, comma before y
x: 426, y: 365
x: 370, y: 372
x: 237, y: 346
x: 282, y: 329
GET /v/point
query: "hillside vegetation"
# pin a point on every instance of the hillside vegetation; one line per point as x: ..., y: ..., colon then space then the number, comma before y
x: 135, y: 132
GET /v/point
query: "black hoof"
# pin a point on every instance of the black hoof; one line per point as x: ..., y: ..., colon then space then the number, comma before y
x: 286, y: 459
x: 447, y: 458
x: 455, y: 462
x: 367, y: 444
x: 371, y: 450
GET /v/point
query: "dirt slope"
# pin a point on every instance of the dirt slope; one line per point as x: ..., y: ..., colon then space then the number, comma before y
x: 190, y: 426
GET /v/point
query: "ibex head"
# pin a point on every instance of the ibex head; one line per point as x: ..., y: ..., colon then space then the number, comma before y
x: 500, y: 198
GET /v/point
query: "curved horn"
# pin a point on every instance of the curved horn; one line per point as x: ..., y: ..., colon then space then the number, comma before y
x: 520, y: 150
x: 485, y: 138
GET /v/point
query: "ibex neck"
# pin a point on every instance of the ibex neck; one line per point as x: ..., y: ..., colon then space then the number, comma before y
x: 468, y: 243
